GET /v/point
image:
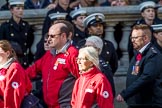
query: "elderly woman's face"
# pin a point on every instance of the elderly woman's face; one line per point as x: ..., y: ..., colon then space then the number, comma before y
x: 83, y: 63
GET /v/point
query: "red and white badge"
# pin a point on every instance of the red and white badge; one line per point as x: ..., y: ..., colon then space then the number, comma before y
x: 15, y: 85
x: 105, y: 94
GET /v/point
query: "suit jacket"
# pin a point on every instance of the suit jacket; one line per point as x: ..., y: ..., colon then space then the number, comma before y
x: 144, y: 79
x: 141, y: 21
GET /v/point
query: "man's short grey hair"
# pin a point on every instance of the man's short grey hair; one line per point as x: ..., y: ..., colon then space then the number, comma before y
x: 97, y: 41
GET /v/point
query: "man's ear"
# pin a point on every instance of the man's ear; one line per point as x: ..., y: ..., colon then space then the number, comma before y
x: 8, y: 54
x: 142, y: 14
x: 155, y: 35
x: 89, y: 30
x: 70, y: 36
x: 74, y: 21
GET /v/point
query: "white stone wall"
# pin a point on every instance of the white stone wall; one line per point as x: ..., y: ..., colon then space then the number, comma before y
x: 2, y: 2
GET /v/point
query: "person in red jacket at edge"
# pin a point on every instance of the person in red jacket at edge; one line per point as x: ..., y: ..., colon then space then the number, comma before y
x: 91, y: 89
x: 14, y: 83
x: 58, y: 67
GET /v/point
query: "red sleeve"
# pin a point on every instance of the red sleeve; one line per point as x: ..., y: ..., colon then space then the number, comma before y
x: 32, y: 70
x: 104, y: 94
x: 15, y: 86
x: 72, y: 63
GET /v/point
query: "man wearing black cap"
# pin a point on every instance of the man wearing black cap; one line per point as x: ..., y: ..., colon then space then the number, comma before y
x: 94, y: 25
x: 18, y: 32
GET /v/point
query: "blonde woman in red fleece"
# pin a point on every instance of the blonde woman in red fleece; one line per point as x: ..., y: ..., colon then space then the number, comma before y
x: 91, y: 89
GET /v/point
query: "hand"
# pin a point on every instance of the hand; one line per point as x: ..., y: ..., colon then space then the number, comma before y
x: 119, y: 98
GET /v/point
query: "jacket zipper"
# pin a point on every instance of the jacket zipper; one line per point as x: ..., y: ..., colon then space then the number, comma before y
x: 48, y: 76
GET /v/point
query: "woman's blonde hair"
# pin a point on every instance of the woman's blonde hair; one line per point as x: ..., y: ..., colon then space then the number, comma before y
x: 91, y: 54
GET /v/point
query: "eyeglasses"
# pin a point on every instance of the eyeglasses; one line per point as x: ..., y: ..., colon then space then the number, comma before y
x: 55, y: 35
x: 134, y: 38
x: 83, y: 59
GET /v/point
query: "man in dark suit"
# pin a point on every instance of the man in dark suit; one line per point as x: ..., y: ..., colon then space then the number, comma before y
x: 149, y: 16
x: 144, y: 77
